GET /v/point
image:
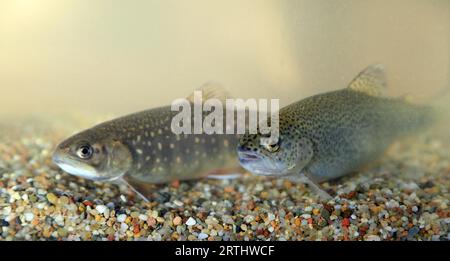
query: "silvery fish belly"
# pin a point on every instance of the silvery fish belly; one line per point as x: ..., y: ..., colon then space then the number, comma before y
x: 142, y: 148
x: 329, y: 135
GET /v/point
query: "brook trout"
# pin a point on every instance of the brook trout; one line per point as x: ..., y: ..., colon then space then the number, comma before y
x: 142, y: 149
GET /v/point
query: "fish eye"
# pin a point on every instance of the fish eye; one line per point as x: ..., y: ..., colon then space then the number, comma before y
x: 272, y: 147
x: 85, y: 151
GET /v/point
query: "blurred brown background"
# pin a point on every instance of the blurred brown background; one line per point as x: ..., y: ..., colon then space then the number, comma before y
x: 118, y: 57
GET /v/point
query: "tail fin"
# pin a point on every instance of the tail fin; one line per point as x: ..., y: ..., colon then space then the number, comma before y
x: 438, y: 110
x: 435, y: 111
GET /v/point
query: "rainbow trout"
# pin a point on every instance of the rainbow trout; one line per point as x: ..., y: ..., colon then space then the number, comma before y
x: 141, y: 149
x: 329, y: 135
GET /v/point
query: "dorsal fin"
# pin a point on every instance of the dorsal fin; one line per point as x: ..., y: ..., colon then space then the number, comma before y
x: 210, y: 90
x: 371, y: 81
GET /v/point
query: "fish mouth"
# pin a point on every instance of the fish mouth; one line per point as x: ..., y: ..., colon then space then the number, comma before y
x: 258, y: 164
x: 73, y: 166
x: 248, y: 156
x: 57, y: 158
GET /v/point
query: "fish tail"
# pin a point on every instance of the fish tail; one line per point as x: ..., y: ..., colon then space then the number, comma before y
x: 412, y: 116
x: 437, y: 110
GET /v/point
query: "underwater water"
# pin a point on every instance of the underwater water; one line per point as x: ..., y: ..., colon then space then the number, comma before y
x: 67, y: 66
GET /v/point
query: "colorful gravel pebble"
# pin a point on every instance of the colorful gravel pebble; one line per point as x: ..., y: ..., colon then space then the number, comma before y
x: 404, y: 196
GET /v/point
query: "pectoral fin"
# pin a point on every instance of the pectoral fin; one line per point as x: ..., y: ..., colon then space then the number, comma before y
x: 140, y: 191
x: 314, y: 186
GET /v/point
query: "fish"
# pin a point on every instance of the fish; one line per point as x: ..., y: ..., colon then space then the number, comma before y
x: 141, y: 149
x: 329, y: 135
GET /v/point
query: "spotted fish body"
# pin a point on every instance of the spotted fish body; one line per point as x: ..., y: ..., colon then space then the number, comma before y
x: 330, y: 135
x: 142, y: 149
x: 160, y: 156
x: 346, y: 131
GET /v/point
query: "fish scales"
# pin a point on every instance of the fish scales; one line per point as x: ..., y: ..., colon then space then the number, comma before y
x: 348, y: 128
x: 329, y: 135
x: 161, y: 156
x: 142, y: 148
